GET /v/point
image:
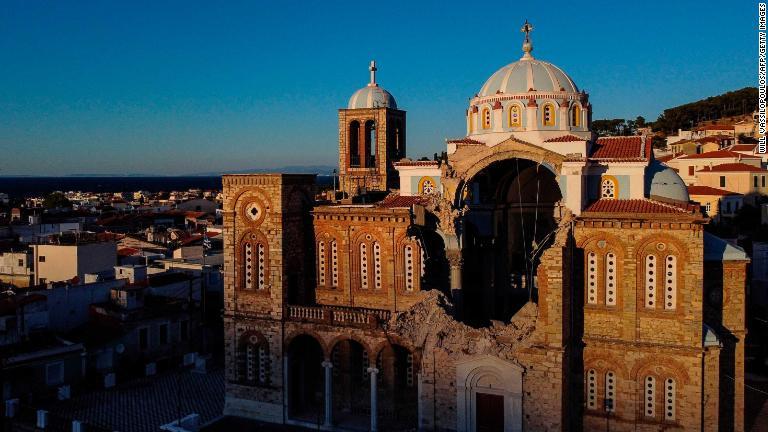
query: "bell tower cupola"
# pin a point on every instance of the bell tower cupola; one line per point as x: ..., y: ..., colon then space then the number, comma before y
x: 371, y: 140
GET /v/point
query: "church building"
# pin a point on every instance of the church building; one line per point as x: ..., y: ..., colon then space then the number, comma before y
x: 536, y: 278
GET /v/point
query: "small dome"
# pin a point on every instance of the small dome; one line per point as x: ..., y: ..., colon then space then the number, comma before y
x: 372, y: 96
x: 525, y: 74
x: 663, y: 183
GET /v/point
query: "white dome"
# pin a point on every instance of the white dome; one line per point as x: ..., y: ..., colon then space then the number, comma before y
x: 526, y: 74
x: 372, y: 96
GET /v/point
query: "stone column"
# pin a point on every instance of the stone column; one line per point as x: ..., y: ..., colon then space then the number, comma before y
x: 373, y: 372
x: 455, y: 261
x: 328, y: 366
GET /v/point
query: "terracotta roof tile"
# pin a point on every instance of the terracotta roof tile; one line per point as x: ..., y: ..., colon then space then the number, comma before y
x: 622, y: 148
x: 397, y: 201
x: 733, y: 167
x: 465, y: 140
x: 669, y: 157
x: 708, y: 190
x: 565, y: 138
x: 720, y: 154
x: 645, y: 206
x: 416, y: 163
x: 742, y: 147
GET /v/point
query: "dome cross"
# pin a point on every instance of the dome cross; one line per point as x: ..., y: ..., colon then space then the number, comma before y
x: 373, y: 70
x: 527, y: 28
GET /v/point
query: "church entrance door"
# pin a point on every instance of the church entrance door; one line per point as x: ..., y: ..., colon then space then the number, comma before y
x: 490, y: 413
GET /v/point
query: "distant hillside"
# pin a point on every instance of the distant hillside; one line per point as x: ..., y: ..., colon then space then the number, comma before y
x: 322, y: 170
x: 730, y: 104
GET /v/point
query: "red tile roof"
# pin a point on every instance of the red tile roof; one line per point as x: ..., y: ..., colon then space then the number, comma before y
x: 742, y: 147
x: 645, y: 206
x: 565, y: 138
x: 720, y: 154
x: 397, y: 201
x: 465, y: 140
x: 714, y: 138
x: 708, y: 190
x: 733, y: 167
x: 127, y: 251
x: 416, y: 163
x: 669, y: 157
x: 621, y: 148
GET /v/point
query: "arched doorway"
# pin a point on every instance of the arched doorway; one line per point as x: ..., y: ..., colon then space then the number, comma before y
x: 512, y: 213
x: 397, y: 388
x: 351, y: 385
x: 306, y: 381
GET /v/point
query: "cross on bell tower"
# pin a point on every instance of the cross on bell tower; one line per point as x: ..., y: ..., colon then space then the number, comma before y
x: 527, y: 28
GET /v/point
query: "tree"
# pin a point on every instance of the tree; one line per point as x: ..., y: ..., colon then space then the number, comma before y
x: 56, y: 200
x: 640, y: 121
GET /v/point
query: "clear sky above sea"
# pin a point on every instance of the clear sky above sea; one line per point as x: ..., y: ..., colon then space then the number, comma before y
x: 180, y: 87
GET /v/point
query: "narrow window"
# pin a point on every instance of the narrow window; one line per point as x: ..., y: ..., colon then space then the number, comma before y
x: 41, y: 258
x: 334, y: 264
x: 708, y: 207
x: 548, y: 116
x: 409, y: 370
x: 592, y: 278
x: 408, y: 265
x: 722, y: 181
x: 250, y: 362
x: 576, y: 116
x: 377, y: 264
x: 650, y: 396
x: 691, y: 170
x: 610, y: 279
x: 670, y: 283
x: 261, y: 252
x: 486, y: 118
x: 263, y: 363
x: 669, y: 400
x: 610, y: 391
x: 321, y: 263
x: 650, y: 281
x: 354, y: 144
x: 763, y: 180
x: 514, y: 116
x: 248, y: 253
x: 363, y: 266
x: 755, y: 181
x: 591, y: 389
x: 728, y: 207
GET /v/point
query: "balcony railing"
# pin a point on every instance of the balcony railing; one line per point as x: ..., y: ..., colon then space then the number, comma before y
x: 335, y: 315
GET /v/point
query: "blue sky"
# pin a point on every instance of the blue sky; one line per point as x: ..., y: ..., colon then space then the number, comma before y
x: 166, y: 87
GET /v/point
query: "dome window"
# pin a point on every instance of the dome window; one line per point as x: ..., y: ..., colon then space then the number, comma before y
x: 514, y: 116
x: 548, y: 116
x: 486, y: 118
x: 576, y: 116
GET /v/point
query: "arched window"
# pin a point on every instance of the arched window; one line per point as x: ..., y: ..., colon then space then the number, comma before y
x: 377, y: 265
x: 610, y: 279
x: 650, y: 281
x: 334, y: 264
x: 670, y: 282
x: 610, y: 391
x: 486, y: 118
x: 650, y: 397
x: 576, y: 116
x: 254, y: 361
x: 514, y: 116
x: 363, y: 266
x: 354, y: 144
x: 592, y: 278
x: 591, y: 385
x: 548, y: 114
x: 254, y: 264
x: 369, y: 156
x: 321, y: 264
x: 408, y: 266
x: 608, y: 188
x: 669, y: 399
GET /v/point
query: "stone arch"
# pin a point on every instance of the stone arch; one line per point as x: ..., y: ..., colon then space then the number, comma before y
x: 604, y: 361
x: 289, y: 338
x: 661, y: 245
x: 491, y: 377
x: 348, y: 336
x: 601, y: 244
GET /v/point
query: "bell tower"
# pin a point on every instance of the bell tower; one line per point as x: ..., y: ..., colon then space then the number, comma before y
x: 371, y: 139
